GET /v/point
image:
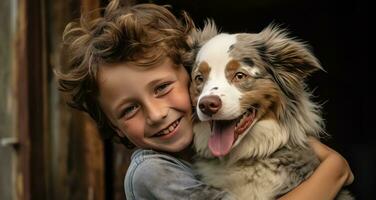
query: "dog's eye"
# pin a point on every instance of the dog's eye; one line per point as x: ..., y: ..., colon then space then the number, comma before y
x: 239, y: 76
x: 199, y: 79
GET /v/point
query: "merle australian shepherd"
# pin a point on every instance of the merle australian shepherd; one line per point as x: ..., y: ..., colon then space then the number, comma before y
x: 255, y: 112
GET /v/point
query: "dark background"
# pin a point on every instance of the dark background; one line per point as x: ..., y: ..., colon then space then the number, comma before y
x: 338, y: 32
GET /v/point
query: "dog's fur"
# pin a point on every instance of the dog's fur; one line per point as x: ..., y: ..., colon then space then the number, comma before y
x: 261, y: 76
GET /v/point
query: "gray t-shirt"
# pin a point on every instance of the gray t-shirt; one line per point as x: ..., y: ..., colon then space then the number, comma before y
x: 154, y: 175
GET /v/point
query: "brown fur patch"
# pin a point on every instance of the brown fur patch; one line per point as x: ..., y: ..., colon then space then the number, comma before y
x: 195, y: 88
x: 265, y: 97
x: 204, y: 68
x: 231, y: 68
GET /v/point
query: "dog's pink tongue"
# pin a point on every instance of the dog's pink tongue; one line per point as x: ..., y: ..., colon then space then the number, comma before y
x: 221, y: 140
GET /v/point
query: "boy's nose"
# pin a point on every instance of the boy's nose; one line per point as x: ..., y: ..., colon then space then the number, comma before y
x: 155, y: 114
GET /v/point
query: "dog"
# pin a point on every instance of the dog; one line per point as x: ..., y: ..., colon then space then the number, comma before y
x: 255, y: 112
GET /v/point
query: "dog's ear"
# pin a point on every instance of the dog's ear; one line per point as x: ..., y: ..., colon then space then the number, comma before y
x: 198, y: 37
x: 288, y: 60
x: 286, y: 54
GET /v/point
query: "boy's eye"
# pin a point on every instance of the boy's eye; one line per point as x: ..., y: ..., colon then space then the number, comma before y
x: 162, y: 89
x: 129, y: 111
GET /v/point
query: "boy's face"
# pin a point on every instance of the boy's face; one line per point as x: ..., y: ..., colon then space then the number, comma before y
x: 148, y: 105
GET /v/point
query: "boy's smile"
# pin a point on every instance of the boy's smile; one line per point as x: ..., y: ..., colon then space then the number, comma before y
x: 148, y: 105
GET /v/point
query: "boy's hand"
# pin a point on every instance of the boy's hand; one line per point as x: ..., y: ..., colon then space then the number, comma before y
x: 328, y: 178
x: 324, y: 152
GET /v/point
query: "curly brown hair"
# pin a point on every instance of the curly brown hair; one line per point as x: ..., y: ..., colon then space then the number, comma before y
x: 143, y: 34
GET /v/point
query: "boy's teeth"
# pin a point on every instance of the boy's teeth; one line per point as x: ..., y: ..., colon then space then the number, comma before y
x: 168, y: 129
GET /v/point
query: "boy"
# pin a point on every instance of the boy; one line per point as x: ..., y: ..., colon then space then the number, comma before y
x: 128, y: 71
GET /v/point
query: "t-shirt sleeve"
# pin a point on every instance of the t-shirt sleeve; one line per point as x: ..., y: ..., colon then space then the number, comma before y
x: 158, y: 178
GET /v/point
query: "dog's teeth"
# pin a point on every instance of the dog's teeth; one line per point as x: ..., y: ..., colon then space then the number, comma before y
x: 243, y: 116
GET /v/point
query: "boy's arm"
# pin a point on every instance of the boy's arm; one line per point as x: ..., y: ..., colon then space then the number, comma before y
x: 162, y: 178
x: 327, y: 180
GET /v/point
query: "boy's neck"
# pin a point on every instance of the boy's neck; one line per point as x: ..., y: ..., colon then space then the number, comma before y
x: 186, y: 154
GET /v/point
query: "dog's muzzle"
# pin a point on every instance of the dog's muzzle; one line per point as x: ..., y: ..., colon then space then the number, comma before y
x: 209, y: 105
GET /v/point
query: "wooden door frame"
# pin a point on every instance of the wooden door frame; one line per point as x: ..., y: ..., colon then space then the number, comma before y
x: 32, y: 117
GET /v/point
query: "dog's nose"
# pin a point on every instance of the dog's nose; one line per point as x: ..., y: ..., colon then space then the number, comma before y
x: 210, y: 105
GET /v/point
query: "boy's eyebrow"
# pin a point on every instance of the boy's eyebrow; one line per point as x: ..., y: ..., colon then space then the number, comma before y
x: 153, y: 82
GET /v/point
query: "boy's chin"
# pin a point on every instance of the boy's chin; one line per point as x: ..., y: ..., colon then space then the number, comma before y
x: 178, y: 146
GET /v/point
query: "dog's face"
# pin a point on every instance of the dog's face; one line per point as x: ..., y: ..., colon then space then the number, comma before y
x: 248, y: 87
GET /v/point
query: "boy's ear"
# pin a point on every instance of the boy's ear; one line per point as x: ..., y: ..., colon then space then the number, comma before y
x: 119, y: 132
x: 116, y: 130
x: 123, y: 140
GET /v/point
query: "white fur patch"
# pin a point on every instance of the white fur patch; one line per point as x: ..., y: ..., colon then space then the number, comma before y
x: 216, y: 54
x: 253, y: 71
x: 215, y: 51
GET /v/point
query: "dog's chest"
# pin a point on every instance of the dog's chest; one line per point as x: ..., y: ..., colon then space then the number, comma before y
x: 257, y: 179
x: 252, y: 180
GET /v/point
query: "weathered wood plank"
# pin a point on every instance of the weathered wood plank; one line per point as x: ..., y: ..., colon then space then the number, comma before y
x: 20, y: 49
x: 121, y: 159
x: 59, y: 13
x: 38, y: 99
x: 7, y: 107
x: 77, y: 158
